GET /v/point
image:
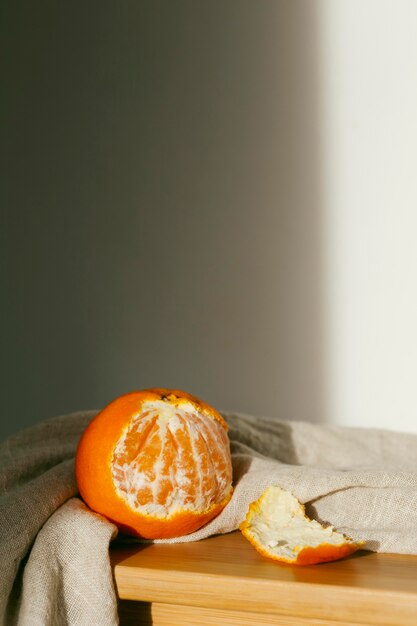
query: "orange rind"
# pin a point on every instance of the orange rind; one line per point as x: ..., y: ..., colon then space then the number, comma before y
x: 156, y: 462
x: 277, y: 526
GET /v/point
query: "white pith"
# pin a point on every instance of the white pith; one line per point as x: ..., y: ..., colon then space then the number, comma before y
x: 282, y: 528
x: 172, y: 423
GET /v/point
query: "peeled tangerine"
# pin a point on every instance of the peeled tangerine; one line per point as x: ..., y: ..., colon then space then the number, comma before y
x: 276, y: 524
x: 156, y: 463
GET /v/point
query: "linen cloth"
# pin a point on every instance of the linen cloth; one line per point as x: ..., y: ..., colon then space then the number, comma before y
x: 54, y: 552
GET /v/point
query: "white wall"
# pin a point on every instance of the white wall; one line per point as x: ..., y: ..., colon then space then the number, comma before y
x: 216, y: 196
x: 369, y: 130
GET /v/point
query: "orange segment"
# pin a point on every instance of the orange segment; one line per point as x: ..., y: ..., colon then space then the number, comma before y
x: 156, y: 462
x: 277, y: 526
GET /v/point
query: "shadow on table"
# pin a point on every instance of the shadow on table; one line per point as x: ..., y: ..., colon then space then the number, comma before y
x: 132, y: 612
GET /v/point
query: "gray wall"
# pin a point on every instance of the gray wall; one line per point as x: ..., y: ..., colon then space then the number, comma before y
x: 160, y: 204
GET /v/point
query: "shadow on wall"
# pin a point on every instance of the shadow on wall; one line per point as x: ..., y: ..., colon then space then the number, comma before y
x: 299, y: 294
x: 162, y: 205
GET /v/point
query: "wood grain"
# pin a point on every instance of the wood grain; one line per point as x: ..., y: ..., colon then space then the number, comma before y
x: 133, y: 613
x: 226, y: 574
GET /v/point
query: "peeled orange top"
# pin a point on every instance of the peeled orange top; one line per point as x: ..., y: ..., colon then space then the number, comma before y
x: 156, y: 463
x: 277, y: 526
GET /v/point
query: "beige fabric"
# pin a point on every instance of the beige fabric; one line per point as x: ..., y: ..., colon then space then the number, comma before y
x: 54, y: 565
x: 66, y: 578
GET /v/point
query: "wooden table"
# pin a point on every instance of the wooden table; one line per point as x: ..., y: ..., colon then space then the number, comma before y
x: 224, y: 581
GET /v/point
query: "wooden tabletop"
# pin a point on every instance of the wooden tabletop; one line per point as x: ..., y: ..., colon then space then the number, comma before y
x: 223, y: 580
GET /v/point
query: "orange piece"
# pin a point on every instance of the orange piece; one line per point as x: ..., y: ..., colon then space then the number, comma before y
x: 276, y: 524
x: 156, y: 463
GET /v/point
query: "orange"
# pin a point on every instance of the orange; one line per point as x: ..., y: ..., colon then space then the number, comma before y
x: 156, y: 463
x: 277, y: 526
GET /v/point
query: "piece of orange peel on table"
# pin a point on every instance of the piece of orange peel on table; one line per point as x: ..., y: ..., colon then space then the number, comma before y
x: 277, y: 526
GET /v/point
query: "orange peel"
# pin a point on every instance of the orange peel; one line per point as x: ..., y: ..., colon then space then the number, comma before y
x: 277, y: 526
